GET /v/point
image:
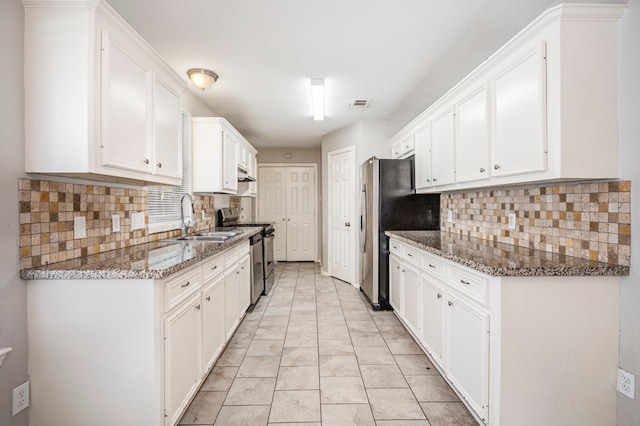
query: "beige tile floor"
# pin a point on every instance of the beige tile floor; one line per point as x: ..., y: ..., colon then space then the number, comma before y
x: 312, y: 352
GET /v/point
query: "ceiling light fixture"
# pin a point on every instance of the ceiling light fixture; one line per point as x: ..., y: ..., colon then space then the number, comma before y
x: 317, y: 97
x: 202, y: 78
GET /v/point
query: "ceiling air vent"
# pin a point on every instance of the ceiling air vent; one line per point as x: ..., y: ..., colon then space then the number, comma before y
x: 359, y: 103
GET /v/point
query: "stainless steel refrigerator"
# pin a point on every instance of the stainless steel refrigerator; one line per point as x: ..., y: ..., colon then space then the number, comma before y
x: 388, y: 202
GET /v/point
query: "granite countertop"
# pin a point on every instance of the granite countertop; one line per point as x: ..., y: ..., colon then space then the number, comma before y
x: 499, y: 259
x: 157, y: 259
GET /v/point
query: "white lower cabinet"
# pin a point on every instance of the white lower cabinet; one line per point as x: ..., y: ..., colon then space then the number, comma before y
x: 395, y: 284
x: 432, y: 319
x: 511, y: 347
x: 244, y: 291
x: 467, y: 351
x: 183, y: 356
x: 137, y: 348
x: 231, y: 305
x: 213, y: 313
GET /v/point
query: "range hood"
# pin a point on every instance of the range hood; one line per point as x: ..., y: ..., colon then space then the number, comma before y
x: 244, y: 177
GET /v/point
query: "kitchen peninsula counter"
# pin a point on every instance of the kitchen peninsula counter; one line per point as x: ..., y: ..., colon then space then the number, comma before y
x: 506, y: 260
x: 157, y: 259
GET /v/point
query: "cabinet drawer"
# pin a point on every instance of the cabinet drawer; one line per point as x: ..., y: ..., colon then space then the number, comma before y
x: 473, y: 285
x: 396, y: 248
x: 178, y: 288
x: 412, y: 255
x: 432, y: 265
x: 231, y: 257
x: 243, y: 248
x: 212, y: 267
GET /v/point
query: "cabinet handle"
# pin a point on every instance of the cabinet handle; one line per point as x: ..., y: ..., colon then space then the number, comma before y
x: 432, y: 266
x: 465, y: 282
x: 198, y: 307
x: 214, y: 268
x: 403, y: 271
x: 146, y: 161
x: 497, y: 166
x: 159, y: 165
x: 208, y: 298
x: 439, y: 296
x: 481, y: 169
x: 435, y: 180
x: 450, y: 303
x: 406, y: 146
x: 409, y: 254
x: 238, y: 272
x: 185, y: 285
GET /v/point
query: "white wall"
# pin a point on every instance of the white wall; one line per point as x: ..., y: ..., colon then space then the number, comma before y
x: 13, y: 291
x: 369, y: 138
x: 629, y: 136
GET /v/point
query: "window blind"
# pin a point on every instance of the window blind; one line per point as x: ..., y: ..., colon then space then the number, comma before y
x: 164, y: 201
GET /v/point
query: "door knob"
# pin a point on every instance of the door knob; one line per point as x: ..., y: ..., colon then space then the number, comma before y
x: 347, y: 224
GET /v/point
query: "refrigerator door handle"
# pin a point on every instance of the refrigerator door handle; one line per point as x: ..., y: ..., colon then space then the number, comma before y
x: 363, y: 218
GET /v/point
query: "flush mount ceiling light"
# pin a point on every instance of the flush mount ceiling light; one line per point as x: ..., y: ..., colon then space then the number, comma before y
x: 317, y: 97
x: 202, y: 78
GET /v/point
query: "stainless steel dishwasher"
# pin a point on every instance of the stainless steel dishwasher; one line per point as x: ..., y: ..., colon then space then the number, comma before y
x: 257, y: 271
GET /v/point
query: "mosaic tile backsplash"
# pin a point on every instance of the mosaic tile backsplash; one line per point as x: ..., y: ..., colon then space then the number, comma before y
x: 47, y: 210
x: 585, y: 220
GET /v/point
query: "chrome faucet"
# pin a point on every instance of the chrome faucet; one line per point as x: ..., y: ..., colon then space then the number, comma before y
x: 190, y: 221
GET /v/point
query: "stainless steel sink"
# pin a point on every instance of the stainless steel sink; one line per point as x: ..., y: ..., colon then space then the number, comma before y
x: 221, y: 234
x: 203, y: 238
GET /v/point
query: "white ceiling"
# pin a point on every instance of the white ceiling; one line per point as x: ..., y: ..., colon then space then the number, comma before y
x: 402, y: 55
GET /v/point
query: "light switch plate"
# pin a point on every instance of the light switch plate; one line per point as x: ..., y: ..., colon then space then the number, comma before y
x: 79, y: 227
x: 203, y: 214
x: 115, y: 223
x: 450, y: 216
x: 137, y: 220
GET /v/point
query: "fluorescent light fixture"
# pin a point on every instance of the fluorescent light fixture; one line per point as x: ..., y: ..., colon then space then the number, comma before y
x: 202, y: 78
x: 317, y: 97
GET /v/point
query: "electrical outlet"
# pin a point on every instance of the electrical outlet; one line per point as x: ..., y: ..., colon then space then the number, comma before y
x: 137, y: 220
x: 203, y: 214
x: 21, y: 397
x: 450, y: 216
x: 512, y: 221
x: 626, y: 383
x: 79, y: 227
x: 115, y: 222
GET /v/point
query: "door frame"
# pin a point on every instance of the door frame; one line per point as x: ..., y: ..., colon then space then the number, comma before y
x: 351, y: 148
x: 315, y: 201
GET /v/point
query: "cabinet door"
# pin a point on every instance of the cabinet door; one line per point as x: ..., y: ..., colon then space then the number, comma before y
x: 472, y: 141
x: 213, y: 321
x: 411, y: 286
x: 432, y: 319
x: 395, y: 284
x: 442, y: 148
x: 125, y: 106
x: 182, y: 356
x: 423, y: 157
x: 253, y: 165
x: 244, y: 285
x: 396, y: 149
x: 167, y: 123
x: 519, y: 139
x: 231, y: 309
x: 467, y: 352
x: 229, y: 164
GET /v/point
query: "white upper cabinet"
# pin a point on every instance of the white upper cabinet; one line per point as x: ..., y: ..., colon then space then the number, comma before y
x: 472, y: 147
x: 403, y: 147
x: 542, y: 108
x: 215, y: 156
x: 519, y: 142
x: 423, y: 163
x: 442, y: 148
x: 109, y: 107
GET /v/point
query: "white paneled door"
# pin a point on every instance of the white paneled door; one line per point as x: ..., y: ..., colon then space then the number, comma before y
x: 272, y: 206
x: 341, y: 211
x: 287, y: 197
x: 301, y: 217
